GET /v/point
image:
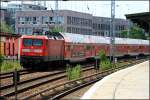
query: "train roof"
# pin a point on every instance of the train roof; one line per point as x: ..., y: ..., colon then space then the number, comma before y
x: 79, y: 38
x: 34, y: 36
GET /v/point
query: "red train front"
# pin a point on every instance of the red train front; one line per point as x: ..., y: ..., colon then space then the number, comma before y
x: 40, y: 49
x: 32, y: 48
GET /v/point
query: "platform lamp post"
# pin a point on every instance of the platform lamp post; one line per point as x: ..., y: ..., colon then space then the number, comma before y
x: 112, y: 31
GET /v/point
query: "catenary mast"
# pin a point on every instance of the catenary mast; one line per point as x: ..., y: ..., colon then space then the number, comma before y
x: 112, y: 32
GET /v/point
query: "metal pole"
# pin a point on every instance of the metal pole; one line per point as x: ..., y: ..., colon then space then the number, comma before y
x: 56, y: 13
x: 128, y: 28
x: 112, y: 31
x: 15, y: 83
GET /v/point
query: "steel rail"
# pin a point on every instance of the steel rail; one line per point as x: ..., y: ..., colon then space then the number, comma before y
x: 25, y: 81
x: 10, y: 74
x: 100, y: 74
x: 79, y: 86
x: 29, y: 80
x: 29, y: 86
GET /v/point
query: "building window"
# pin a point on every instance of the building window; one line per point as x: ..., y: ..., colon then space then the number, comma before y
x: 24, y: 20
x: 51, y: 18
x: 34, y: 20
x: 60, y: 20
x: 68, y: 19
x: 28, y: 31
x: 44, y: 19
x: 69, y: 29
x: 21, y: 20
x: 21, y: 30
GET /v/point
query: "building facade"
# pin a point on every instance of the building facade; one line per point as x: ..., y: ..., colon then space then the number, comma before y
x: 13, y: 8
x: 4, y: 15
x: 101, y: 26
x: 68, y: 21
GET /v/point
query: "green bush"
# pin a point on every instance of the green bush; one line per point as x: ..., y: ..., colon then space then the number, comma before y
x: 1, y: 59
x: 102, y: 55
x: 104, y: 62
x: 73, y: 72
x: 5, y: 27
x: 105, y: 65
x: 10, y: 66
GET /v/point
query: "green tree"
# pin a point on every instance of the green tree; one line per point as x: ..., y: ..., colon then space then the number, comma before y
x: 134, y: 32
x: 5, y: 28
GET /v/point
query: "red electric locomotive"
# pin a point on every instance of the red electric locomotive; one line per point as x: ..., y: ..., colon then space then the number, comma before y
x: 68, y: 47
x: 41, y: 49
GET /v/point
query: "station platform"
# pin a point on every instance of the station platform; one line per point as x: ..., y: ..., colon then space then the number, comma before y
x: 129, y: 83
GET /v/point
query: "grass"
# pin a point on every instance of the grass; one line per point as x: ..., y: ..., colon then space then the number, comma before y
x: 73, y: 72
x: 7, y: 66
x: 104, y: 64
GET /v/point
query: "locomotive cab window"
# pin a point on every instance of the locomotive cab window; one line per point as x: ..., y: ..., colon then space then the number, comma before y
x: 32, y: 42
x: 27, y: 42
x: 37, y: 42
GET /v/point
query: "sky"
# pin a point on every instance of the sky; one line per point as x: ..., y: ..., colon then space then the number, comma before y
x: 99, y: 8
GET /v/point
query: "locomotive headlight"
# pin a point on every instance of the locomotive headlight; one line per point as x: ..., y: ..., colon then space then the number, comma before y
x: 26, y: 50
x: 37, y: 50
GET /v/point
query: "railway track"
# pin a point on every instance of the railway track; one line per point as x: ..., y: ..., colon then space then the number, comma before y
x: 8, y: 91
x: 8, y: 77
x: 23, y: 72
x: 10, y: 74
x: 100, y: 75
x: 4, y: 75
x: 60, y: 90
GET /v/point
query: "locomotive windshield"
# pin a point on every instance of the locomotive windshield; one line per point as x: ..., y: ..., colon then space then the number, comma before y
x: 32, y: 42
x: 37, y: 42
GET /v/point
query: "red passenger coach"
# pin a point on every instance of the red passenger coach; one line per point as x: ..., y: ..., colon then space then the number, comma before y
x: 68, y: 47
x: 9, y: 44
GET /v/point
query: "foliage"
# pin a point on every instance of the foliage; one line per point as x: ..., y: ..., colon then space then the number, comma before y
x: 5, y: 28
x: 1, y: 59
x: 134, y: 32
x: 56, y: 29
x: 104, y: 65
x: 124, y: 33
x: 10, y: 66
x: 73, y: 72
x: 102, y: 55
x: 104, y: 62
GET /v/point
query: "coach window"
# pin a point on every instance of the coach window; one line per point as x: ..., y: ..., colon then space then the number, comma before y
x: 68, y: 48
x: 88, y: 47
x: 140, y: 47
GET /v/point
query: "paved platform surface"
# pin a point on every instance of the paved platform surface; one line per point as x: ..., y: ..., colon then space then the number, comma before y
x: 129, y: 83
